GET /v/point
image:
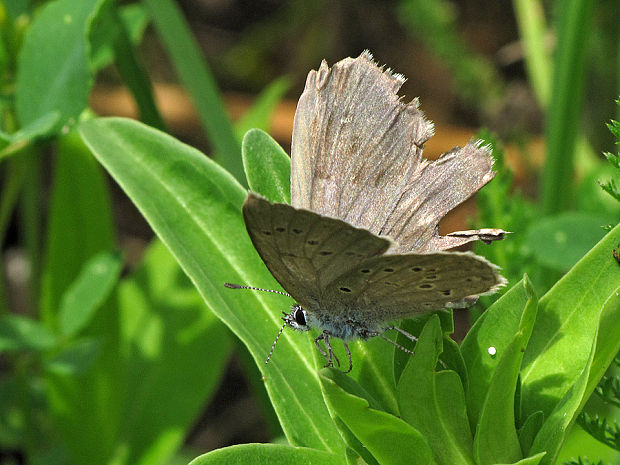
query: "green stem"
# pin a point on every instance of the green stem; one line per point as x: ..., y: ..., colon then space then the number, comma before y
x: 563, y: 115
x: 197, y: 78
x: 533, y: 31
x: 135, y: 76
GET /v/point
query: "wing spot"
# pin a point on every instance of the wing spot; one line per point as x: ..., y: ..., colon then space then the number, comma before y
x: 427, y: 305
x: 365, y: 270
x: 446, y: 292
x: 313, y: 242
x: 297, y: 231
x: 425, y: 286
x: 432, y: 270
x: 345, y: 289
x: 431, y: 277
x: 388, y: 270
x: 325, y: 252
x: 267, y: 233
x: 417, y: 269
x: 280, y: 229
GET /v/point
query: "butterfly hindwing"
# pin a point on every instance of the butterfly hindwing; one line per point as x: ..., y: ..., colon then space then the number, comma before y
x: 390, y: 287
x: 304, y: 250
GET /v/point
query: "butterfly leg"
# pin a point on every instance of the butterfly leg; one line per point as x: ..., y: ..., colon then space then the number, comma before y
x: 346, y: 347
x: 329, y: 355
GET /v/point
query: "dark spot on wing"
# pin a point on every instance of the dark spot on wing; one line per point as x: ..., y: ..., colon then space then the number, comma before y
x: 297, y: 231
x: 325, y: 252
x: 447, y: 292
x: 388, y: 270
x: 267, y: 233
x: 345, y: 289
x: 280, y: 229
x: 425, y: 286
x: 365, y: 270
x: 416, y: 269
x: 313, y: 242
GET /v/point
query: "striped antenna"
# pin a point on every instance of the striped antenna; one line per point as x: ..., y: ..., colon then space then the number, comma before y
x: 273, y: 346
x: 240, y: 286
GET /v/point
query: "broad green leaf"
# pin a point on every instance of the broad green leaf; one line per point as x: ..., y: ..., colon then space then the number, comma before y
x: 259, y: 115
x: 267, y: 166
x: 495, y: 328
x: 552, y: 434
x: 194, y: 206
x: 79, y: 222
x: 496, y: 439
x: 76, y: 358
x: 567, y: 322
x: 559, y: 241
x: 90, y: 289
x: 267, y: 454
x: 388, y: 438
x: 434, y: 402
x: 21, y: 333
x: 53, y: 71
x: 176, y: 352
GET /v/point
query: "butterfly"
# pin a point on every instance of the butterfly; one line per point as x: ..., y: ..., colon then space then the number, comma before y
x: 359, y: 246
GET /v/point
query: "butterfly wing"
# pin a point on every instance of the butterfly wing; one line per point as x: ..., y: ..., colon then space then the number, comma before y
x: 352, y: 129
x: 305, y: 251
x: 390, y: 287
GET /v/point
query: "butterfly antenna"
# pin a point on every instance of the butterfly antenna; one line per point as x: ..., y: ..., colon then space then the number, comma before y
x: 273, y: 346
x: 239, y: 286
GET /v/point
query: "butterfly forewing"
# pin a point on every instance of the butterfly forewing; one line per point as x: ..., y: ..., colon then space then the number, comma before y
x: 390, y: 287
x: 305, y: 251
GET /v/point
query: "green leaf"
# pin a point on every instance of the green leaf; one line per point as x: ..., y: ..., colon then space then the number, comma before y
x: 496, y: 439
x: 53, y: 71
x: 267, y: 166
x: 79, y: 222
x: 552, y: 434
x: 194, y: 206
x: 559, y: 241
x: 176, y: 353
x: 533, y: 460
x: 267, y: 454
x: 529, y: 430
x: 388, y: 438
x: 21, y: 333
x: 434, y: 402
x: 90, y: 289
x: 259, y: 115
x: 495, y: 328
x: 567, y: 322
x: 75, y: 359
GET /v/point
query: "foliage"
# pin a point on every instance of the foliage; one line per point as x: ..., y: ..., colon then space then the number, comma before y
x: 443, y: 413
x: 107, y: 364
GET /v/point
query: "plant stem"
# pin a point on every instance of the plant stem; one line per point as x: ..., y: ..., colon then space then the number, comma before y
x: 564, y: 111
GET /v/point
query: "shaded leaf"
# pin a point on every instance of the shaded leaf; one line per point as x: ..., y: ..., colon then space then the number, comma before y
x: 90, y: 289
x: 21, y: 333
x: 75, y: 359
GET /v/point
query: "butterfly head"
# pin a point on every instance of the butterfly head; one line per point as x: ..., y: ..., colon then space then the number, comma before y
x: 297, y: 318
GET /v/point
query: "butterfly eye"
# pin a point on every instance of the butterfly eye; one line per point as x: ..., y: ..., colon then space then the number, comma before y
x: 300, y: 317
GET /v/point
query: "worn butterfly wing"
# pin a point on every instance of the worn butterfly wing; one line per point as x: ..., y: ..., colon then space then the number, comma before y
x: 305, y: 251
x: 390, y: 287
x: 352, y: 129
